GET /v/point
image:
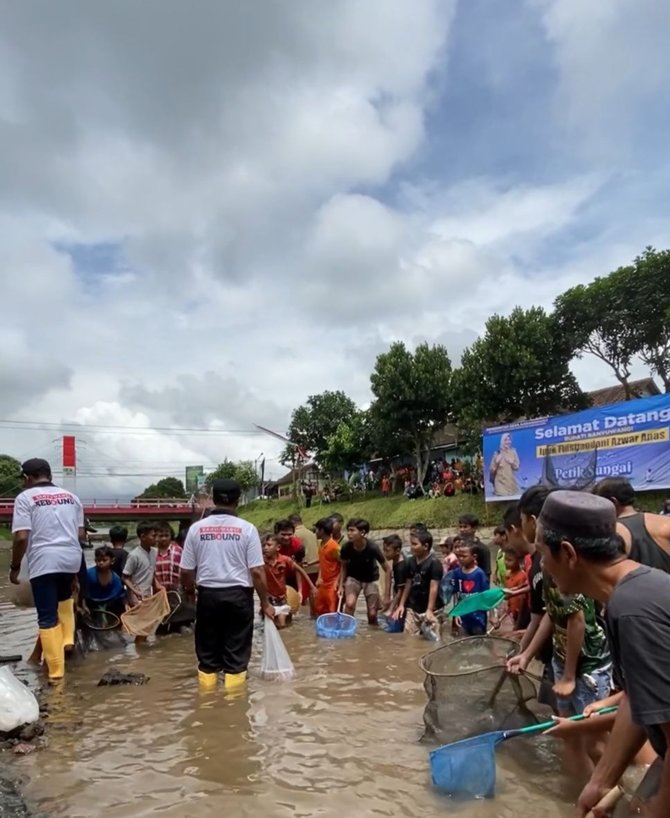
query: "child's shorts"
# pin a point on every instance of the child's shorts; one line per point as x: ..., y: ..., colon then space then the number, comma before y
x: 413, y: 622
x: 370, y: 590
x: 590, y: 687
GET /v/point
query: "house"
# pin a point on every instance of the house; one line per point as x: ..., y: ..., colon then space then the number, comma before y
x: 644, y: 388
x: 283, y: 487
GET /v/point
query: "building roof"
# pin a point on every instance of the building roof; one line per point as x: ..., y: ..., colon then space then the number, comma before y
x: 643, y: 388
x: 300, y: 474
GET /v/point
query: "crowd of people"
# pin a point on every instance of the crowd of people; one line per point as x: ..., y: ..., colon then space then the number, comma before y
x: 585, y: 579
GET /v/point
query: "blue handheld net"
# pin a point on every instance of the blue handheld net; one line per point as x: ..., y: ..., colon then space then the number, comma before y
x: 466, y: 767
x: 336, y: 626
x: 393, y: 625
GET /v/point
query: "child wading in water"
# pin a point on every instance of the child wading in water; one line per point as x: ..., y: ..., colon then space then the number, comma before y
x: 168, y: 559
x: 118, y: 537
x: 421, y: 595
x: 393, y: 555
x: 329, y: 569
x: 104, y: 588
x: 279, y: 568
x: 467, y: 579
x: 361, y: 559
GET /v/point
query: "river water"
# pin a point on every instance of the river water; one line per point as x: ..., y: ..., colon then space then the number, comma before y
x: 339, y: 740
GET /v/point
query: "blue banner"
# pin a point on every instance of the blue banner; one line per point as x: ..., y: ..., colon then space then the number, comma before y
x: 630, y: 440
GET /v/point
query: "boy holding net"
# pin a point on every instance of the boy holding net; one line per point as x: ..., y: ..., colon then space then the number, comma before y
x: 279, y: 568
x: 393, y: 553
x: 468, y: 579
x: 104, y: 589
x: 139, y: 573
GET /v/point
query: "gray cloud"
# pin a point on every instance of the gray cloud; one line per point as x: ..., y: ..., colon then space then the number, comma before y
x: 254, y: 164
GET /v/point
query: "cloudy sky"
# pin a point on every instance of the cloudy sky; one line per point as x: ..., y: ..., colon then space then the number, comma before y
x: 210, y: 210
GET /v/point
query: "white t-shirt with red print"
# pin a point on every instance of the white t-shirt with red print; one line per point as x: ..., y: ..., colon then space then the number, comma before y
x: 53, y: 516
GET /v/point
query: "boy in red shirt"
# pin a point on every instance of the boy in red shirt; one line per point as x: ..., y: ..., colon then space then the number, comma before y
x: 516, y: 585
x: 279, y: 568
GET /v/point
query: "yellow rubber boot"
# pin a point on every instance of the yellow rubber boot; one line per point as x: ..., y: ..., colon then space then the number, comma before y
x: 234, y: 681
x: 207, y: 681
x: 53, y: 651
x: 66, y: 619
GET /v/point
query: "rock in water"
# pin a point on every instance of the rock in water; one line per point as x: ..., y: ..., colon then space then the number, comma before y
x: 115, y: 677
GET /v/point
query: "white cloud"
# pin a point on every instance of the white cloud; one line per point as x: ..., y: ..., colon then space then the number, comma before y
x: 256, y: 171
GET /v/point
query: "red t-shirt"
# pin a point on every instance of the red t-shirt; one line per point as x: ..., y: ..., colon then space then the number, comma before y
x: 276, y: 573
x: 294, y: 549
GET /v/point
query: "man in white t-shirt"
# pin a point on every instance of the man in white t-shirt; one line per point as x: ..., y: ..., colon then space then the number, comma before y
x: 48, y: 525
x: 223, y: 557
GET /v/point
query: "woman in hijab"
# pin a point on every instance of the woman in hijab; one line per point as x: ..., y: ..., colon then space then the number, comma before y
x: 503, y: 467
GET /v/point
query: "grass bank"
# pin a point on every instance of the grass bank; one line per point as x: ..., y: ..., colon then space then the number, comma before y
x: 399, y: 512
x: 380, y: 512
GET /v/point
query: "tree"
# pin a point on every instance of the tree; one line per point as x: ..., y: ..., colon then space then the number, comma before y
x: 518, y: 369
x: 315, y: 421
x: 413, y: 401
x: 648, y: 311
x: 595, y: 319
x: 11, y: 478
x: 349, y: 446
x: 244, y: 472
x: 168, y: 487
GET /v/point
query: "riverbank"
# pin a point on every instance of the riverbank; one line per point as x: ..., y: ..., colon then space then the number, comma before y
x: 398, y: 512
x: 381, y: 512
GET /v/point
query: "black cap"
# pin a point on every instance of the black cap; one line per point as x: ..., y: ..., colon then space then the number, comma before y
x: 579, y: 514
x: 226, y: 490
x: 36, y: 467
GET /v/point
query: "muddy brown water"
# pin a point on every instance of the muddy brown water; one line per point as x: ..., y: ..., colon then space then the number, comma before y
x: 339, y: 740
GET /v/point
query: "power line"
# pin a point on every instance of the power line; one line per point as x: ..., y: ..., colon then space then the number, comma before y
x: 72, y: 425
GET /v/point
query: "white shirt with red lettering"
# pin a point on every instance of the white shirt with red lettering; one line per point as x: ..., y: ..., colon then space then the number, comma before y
x: 222, y: 550
x: 53, y: 516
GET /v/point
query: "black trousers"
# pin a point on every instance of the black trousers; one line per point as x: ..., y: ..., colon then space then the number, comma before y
x: 224, y: 629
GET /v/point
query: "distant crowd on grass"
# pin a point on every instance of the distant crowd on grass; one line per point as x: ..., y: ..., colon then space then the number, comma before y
x: 444, y: 478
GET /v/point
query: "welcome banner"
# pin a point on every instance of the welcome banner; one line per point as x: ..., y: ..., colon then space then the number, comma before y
x: 630, y: 440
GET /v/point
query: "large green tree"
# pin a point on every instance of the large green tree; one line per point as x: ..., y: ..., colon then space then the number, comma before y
x: 413, y: 401
x: 242, y: 471
x: 11, y: 479
x: 168, y: 487
x: 647, y: 311
x: 349, y: 446
x: 313, y: 423
x: 595, y: 319
x: 518, y: 369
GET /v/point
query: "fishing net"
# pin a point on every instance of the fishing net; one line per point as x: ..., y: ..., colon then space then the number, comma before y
x: 294, y: 599
x: 469, y: 692
x: 144, y: 619
x: 181, y: 613
x: 276, y: 664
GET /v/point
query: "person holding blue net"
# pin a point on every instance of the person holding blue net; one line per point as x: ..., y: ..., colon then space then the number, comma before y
x: 393, y: 553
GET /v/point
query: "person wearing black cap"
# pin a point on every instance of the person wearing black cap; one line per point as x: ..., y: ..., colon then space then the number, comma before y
x: 582, y: 550
x: 223, y: 558
x: 48, y: 526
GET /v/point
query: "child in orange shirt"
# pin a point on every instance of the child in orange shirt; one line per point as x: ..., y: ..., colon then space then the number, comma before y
x: 278, y: 568
x: 329, y: 569
x: 516, y: 585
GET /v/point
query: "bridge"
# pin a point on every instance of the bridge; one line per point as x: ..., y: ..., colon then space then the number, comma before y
x: 115, y: 510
